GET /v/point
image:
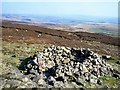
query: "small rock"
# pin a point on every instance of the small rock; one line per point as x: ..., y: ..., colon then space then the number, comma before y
x: 14, y: 56
x: 58, y: 84
x: 93, y: 81
x: 116, y: 75
x: 7, y: 86
x: 69, y: 73
x: 50, y: 64
x: 95, y: 70
x: 95, y: 55
x: 63, y: 48
x: 84, y: 68
x: 77, y: 65
x: 51, y: 83
x: 13, y: 83
x: 95, y: 62
x: 67, y: 60
x: 60, y: 78
x: 118, y: 62
x: 33, y: 71
x: 72, y: 63
x: 76, y: 70
x: 106, y: 57
x: 41, y: 82
x: 25, y: 79
x: 51, y: 78
x: 39, y: 35
x: 29, y: 66
x: 45, y: 50
x: 46, y: 54
x: 81, y: 81
x: 99, y: 82
x: 92, y: 76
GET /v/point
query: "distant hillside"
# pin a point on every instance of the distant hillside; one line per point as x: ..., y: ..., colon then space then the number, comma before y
x: 61, y: 19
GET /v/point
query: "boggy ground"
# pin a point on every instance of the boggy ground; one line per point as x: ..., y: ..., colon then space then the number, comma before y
x: 21, y: 41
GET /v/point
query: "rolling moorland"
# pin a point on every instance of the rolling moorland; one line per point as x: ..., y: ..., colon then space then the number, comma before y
x: 20, y: 41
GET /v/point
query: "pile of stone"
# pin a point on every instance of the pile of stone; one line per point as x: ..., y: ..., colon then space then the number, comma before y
x: 59, y: 66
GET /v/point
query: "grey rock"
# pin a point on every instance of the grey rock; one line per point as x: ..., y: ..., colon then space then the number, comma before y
x: 106, y: 57
x: 77, y: 65
x: 13, y: 83
x: 33, y: 71
x: 95, y: 62
x: 25, y: 79
x: 51, y: 78
x: 84, y: 69
x: 76, y: 70
x: 93, y: 81
x: 41, y: 82
x: 69, y: 73
x: 7, y: 86
x: 29, y: 66
x: 50, y: 64
x: 80, y: 80
x: 72, y: 63
x: 118, y: 62
x: 58, y: 84
x: 99, y: 82
x: 67, y: 60
x: 103, y: 70
x: 1, y: 82
x: 60, y: 66
x: 116, y: 75
x: 39, y: 54
x: 46, y: 54
x: 95, y: 55
x: 93, y: 76
x: 45, y: 50
x: 95, y: 70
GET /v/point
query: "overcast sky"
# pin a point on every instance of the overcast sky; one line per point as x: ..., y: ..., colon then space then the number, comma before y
x: 104, y: 9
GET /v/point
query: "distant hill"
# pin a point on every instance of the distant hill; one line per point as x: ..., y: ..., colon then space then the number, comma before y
x: 62, y: 19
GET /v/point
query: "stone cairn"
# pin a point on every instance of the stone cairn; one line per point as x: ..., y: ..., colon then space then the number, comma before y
x: 59, y: 66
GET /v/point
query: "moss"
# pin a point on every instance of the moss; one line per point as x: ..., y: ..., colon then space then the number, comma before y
x: 115, y: 66
x: 88, y: 84
x: 9, y: 53
x: 10, y: 60
x: 110, y: 81
x: 91, y: 85
x: 12, y: 49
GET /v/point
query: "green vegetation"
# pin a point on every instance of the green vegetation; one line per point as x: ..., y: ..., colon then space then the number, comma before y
x: 12, y: 53
x: 110, y: 81
x: 105, y: 30
x: 113, y: 63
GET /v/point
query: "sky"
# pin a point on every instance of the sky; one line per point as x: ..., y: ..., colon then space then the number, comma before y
x: 103, y: 9
x: 60, y: 0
